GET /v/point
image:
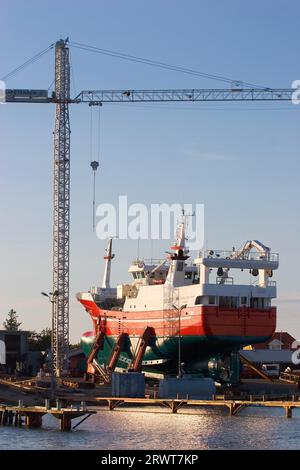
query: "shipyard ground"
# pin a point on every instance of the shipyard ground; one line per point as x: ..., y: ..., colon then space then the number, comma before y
x: 26, y: 402
x: 70, y: 390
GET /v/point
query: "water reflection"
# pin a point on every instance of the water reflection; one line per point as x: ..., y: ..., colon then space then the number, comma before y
x: 207, y: 429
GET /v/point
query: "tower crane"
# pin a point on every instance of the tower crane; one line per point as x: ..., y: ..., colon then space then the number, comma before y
x: 61, y: 98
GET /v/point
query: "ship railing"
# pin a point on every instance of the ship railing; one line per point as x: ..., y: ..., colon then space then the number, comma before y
x: 151, y: 261
x: 223, y: 254
x: 100, y: 290
x: 289, y: 377
x: 95, y: 290
x: 155, y: 262
x: 224, y: 280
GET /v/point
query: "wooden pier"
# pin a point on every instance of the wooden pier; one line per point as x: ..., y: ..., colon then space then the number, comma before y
x: 234, y: 406
x: 32, y: 416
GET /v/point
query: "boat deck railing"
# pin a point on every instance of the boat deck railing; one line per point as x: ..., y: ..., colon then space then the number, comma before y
x: 147, y: 261
x: 223, y: 254
x: 230, y: 281
x: 224, y: 280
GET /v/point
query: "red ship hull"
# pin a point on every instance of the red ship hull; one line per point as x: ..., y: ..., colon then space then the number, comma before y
x: 209, y: 321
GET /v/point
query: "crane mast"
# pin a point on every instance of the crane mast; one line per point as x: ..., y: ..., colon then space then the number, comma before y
x: 61, y: 211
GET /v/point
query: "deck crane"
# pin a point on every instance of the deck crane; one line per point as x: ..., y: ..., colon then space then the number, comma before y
x: 61, y: 98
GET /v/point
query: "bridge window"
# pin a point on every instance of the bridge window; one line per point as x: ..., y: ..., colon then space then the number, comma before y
x: 139, y: 275
x: 179, y: 265
x: 228, y: 302
x: 199, y: 300
x: 243, y: 300
x: 259, y: 303
x: 211, y: 300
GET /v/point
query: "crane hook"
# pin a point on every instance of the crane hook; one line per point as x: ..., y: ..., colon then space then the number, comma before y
x: 94, y: 165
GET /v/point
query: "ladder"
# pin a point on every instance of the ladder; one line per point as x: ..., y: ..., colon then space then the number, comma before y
x: 170, y: 297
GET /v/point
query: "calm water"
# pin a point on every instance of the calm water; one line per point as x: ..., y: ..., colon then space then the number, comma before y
x: 252, y: 429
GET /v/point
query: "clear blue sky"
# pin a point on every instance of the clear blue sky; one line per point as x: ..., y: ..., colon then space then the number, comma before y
x: 241, y: 161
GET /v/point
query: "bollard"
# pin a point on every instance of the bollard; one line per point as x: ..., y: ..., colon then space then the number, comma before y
x: 83, y: 405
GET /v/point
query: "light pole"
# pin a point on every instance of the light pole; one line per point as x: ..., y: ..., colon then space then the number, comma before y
x: 179, y: 310
x: 52, y: 296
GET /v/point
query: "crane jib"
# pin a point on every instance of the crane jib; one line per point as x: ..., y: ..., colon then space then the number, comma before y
x: 110, y: 96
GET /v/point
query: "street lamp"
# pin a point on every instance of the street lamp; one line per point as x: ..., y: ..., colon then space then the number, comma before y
x: 179, y: 310
x: 52, y: 296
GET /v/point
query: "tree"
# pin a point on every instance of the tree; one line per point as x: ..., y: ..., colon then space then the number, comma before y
x: 39, y: 341
x: 11, y: 323
x: 45, y: 339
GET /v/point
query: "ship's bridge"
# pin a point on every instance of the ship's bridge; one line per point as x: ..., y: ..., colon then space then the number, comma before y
x: 145, y: 272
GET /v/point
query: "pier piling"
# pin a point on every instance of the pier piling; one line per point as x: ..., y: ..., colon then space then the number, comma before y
x: 13, y: 415
x: 288, y: 411
x: 34, y: 420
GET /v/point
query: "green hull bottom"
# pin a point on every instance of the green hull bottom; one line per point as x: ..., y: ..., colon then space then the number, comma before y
x: 200, y: 355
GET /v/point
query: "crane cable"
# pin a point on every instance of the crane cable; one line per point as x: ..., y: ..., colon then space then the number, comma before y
x: 163, y: 65
x: 94, y: 163
x: 28, y: 62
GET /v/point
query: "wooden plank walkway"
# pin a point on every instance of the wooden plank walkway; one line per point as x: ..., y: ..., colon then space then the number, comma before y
x: 233, y: 405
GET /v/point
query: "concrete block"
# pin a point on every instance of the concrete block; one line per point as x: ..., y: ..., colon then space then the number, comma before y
x: 187, y: 387
x: 128, y: 384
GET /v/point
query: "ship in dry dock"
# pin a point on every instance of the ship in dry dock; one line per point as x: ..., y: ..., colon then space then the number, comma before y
x: 210, y: 307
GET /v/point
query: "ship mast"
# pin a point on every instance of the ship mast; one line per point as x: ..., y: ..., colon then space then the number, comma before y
x: 109, y: 256
x: 178, y: 256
